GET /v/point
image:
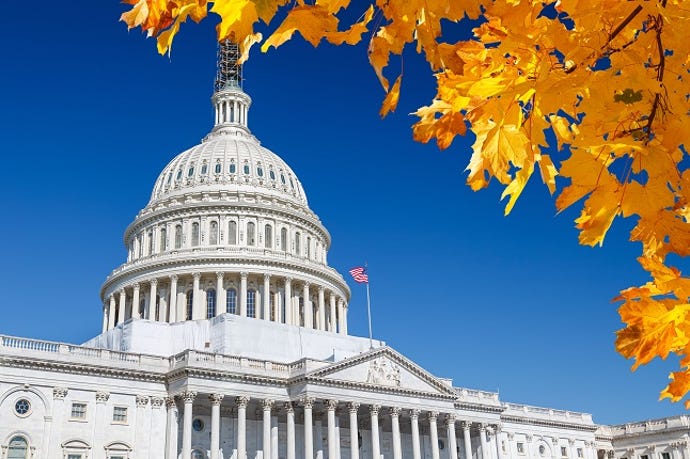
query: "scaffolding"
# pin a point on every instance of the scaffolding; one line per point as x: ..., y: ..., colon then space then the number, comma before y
x: 229, y: 70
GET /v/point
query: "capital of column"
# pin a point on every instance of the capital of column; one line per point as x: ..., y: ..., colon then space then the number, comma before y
x: 332, y: 404
x: 529, y: 438
x: 322, y: 289
x: 102, y: 397
x: 289, y: 408
x: 353, y: 407
x: 432, y: 415
x: 571, y: 442
x: 307, y: 402
x: 610, y: 454
x: 244, y: 274
x: 136, y: 286
x: 59, y: 393
x: 196, y: 275
x: 215, y: 399
x: 170, y: 402
x: 306, y: 285
x: 173, y: 278
x: 267, y: 277
x: 157, y: 402
x: 554, y: 440
x: 267, y: 404
x: 220, y: 275
x: 414, y: 414
x: 394, y: 411
x: 450, y: 419
x: 153, y: 282
x: 142, y: 400
x: 188, y: 396
x: 466, y: 425
x: 289, y: 279
x: 242, y: 401
x: 374, y: 409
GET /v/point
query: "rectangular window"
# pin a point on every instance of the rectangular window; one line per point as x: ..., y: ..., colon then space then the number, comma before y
x: 644, y: 456
x: 78, y: 410
x: 580, y: 452
x: 520, y: 447
x: 74, y: 456
x: 665, y: 456
x: 120, y: 414
x: 564, y: 451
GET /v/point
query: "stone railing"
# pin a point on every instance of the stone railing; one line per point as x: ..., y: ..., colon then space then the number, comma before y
x: 651, y: 425
x: 515, y: 409
x: 473, y: 395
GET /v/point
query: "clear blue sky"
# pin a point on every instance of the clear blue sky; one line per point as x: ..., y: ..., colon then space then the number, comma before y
x: 91, y: 114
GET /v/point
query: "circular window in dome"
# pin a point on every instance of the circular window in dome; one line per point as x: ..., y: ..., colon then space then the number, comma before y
x: 22, y: 407
x: 542, y: 450
x: 198, y: 425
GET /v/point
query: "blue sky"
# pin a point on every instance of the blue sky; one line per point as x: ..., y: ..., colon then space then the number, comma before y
x: 91, y: 114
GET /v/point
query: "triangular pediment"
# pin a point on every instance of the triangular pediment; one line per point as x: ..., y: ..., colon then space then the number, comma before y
x: 383, y: 368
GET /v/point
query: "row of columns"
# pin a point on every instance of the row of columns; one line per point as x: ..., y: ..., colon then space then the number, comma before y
x: 333, y: 437
x: 321, y: 316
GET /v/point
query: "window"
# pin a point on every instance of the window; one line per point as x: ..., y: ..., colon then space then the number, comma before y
x: 142, y: 307
x: 196, y: 454
x: 301, y: 312
x: 178, y: 236
x: 644, y: 456
x: 78, y: 410
x: 164, y: 240
x: 74, y: 456
x: 251, y: 303
x: 198, y: 425
x: 272, y: 304
x: 158, y: 307
x: 282, y: 178
x: 179, y: 175
x: 213, y: 234
x: 665, y: 456
x: 297, y: 244
x: 259, y: 171
x: 542, y: 450
x: 580, y: 453
x: 268, y: 236
x: 218, y: 168
x: 17, y: 449
x: 308, y: 247
x: 251, y: 233
x: 232, y: 233
x: 520, y: 447
x: 283, y: 239
x: 564, y: 451
x: 210, y: 303
x: 190, y: 171
x: 149, y: 241
x: 246, y: 169
x: 232, y: 168
x: 231, y: 301
x: 22, y: 407
x: 195, y: 234
x: 190, y: 304
x: 272, y: 174
x: 120, y: 414
x: 117, y: 450
x: 204, y: 169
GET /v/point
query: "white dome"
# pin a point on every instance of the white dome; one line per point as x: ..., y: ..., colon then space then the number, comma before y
x: 227, y: 162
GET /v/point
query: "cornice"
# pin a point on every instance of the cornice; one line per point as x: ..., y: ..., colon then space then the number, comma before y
x: 368, y: 387
x: 548, y: 423
x: 478, y: 407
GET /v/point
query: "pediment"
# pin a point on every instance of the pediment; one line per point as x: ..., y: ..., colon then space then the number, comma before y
x: 382, y: 368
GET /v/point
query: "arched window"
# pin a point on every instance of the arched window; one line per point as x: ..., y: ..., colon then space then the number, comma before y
x: 251, y: 233
x: 190, y: 304
x: 232, y: 168
x: 251, y: 303
x: 213, y: 234
x: 308, y: 247
x: 178, y: 236
x: 232, y: 232
x: 195, y: 234
x: 210, y: 303
x: 164, y: 240
x: 218, y: 168
x: 297, y: 243
x: 268, y: 236
x: 245, y: 169
x: 231, y: 301
x: 197, y: 454
x: 149, y: 242
x: 283, y: 239
x: 18, y: 448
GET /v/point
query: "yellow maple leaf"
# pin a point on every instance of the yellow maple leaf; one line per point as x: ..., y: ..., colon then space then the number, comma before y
x: 391, y: 101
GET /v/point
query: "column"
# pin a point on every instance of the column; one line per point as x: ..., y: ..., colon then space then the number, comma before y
x: 135, y: 302
x: 450, y: 436
x: 288, y: 301
x: 100, y: 423
x: 354, y: 434
x: 375, y: 445
x: 290, y: 430
x: 322, y: 310
x: 395, y: 427
x: 332, y: 450
x: 123, y: 305
x: 433, y: 434
x: 493, y: 440
x: 156, y: 428
x: 152, y: 303
x: 276, y: 308
x: 466, y: 437
x: 414, y: 426
x: 59, y: 394
x: 332, y: 327
x: 172, y: 428
x: 308, y: 308
x: 266, y: 297
x: 573, y: 450
x: 140, y: 430
x: 111, y: 313
x: 173, y: 299
x: 318, y: 437
x: 497, y: 436
x: 242, y: 402
x: 344, y: 319
x: 215, y: 400
x: 221, y: 295
x: 197, y: 312
x: 188, y: 398
x: 308, y: 402
x: 485, y: 446
x: 266, y: 444
x: 274, y: 436
x: 341, y: 317
x: 105, y: 318
x: 243, y: 295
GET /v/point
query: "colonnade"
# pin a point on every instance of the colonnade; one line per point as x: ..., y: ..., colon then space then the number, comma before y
x: 333, y: 410
x: 200, y: 296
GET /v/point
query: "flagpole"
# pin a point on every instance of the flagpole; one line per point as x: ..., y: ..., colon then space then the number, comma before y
x: 371, y: 339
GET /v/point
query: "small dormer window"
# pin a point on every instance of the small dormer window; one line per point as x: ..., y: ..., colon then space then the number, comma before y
x: 179, y: 174
x: 272, y: 174
x: 282, y: 178
x: 204, y: 169
x: 218, y: 168
x: 246, y: 169
x: 167, y: 182
x: 190, y: 172
x: 233, y: 168
x: 259, y: 171
x: 292, y: 184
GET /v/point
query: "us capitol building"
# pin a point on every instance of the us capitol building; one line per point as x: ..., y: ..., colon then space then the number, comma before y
x: 225, y: 336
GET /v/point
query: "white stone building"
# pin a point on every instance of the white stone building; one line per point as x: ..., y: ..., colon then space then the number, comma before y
x: 225, y: 336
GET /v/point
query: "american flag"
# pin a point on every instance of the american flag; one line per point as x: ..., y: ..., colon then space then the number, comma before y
x: 359, y: 275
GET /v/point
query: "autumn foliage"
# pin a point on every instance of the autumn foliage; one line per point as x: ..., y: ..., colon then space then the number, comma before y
x: 603, y: 82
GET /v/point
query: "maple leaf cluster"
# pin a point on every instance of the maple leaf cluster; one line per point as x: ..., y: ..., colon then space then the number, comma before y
x: 603, y: 83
